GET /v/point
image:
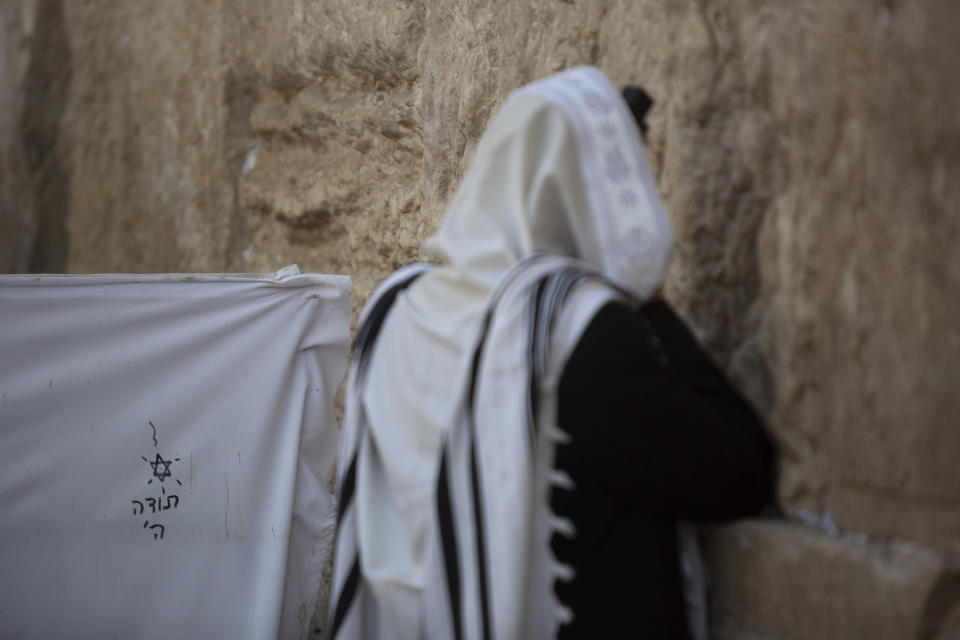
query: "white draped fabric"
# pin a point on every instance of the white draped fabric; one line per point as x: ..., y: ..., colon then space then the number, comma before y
x: 166, y: 445
x: 444, y: 514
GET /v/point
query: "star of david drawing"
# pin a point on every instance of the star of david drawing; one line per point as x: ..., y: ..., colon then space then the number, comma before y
x: 161, y: 468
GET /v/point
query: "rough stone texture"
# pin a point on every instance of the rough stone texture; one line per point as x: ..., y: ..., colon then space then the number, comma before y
x: 18, y: 178
x: 799, y: 581
x: 808, y: 152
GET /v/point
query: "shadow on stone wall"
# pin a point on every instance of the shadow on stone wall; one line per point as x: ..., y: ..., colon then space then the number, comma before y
x: 46, y: 88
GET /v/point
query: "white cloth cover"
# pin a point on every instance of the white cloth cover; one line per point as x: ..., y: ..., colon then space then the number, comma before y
x: 165, y: 449
x: 561, y: 171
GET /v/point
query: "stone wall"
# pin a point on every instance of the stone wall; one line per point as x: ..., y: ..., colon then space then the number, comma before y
x: 809, y: 154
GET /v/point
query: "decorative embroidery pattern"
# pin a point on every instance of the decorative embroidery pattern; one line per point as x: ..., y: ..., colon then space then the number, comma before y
x: 629, y: 213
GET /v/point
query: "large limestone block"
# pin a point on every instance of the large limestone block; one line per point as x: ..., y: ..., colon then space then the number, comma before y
x: 28, y: 119
x: 337, y: 133
x: 778, y: 580
x: 147, y: 139
x: 805, y: 153
x: 858, y: 268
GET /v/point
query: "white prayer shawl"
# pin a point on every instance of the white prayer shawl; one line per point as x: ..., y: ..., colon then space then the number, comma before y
x: 444, y: 513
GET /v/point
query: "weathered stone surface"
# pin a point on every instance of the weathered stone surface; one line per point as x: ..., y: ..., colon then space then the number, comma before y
x: 808, y: 153
x: 858, y: 276
x: 147, y: 139
x: 778, y: 580
x: 18, y: 177
x: 805, y: 153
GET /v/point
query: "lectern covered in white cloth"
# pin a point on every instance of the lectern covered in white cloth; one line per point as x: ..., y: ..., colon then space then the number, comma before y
x: 166, y: 452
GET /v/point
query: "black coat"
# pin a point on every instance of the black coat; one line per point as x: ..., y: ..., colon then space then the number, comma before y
x: 658, y: 434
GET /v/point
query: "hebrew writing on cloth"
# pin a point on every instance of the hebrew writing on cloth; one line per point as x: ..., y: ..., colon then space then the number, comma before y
x: 167, y: 446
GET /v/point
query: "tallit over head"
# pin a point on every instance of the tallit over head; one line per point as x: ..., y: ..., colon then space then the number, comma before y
x: 561, y: 170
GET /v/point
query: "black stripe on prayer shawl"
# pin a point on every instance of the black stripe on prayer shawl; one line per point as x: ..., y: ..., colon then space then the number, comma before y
x: 363, y: 348
x: 448, y: 540
x: 346, y: 597
x: 533, y: 390
x: 549, y: 294
x: 481, y: 543
x: 546, y: 299
x: 347, y: 488
x: 368, y: 331
x: 478, y: 516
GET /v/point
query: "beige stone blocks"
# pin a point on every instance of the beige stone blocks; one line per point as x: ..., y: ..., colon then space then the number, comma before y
x: 784, y: 580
